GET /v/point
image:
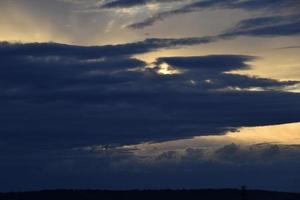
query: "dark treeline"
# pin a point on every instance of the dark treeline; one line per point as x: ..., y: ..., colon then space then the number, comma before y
x: 229, y: 194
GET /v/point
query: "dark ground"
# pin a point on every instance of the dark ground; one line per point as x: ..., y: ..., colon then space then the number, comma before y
x: 226, y: 194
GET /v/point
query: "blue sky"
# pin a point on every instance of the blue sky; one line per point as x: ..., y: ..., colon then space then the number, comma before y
x: 122, y: 94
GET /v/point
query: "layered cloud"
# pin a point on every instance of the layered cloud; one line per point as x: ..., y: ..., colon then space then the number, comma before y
x: 250, y: 156
x: 102, y: 95
x: 271, y: 26
x: 267, y: 5
x: 267, y: 26
x: 103, y: 167
x: 131, y: 3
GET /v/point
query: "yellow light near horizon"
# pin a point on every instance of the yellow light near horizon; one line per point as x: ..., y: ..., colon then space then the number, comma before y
x: 284, y: 134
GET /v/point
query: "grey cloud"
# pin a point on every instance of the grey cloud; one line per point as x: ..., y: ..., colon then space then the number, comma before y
x: 259, y: 154
x: 266, y: 26
x: 191, y: 169
x: 235, y: 154
x: 167, y: 156
x: 271, y: 26
x: 229, y: 4
x: 128, y: 49
x: 131, y: 3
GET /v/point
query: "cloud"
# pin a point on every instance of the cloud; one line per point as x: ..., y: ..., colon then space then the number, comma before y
x: 291, y: 47
x: 266, y: 26
x: 210, y: 70
x: 131, y: 3
x: 261, y: 154
x: 128, y: 49
x: 228, y: 4
x: 262, y: 26
x: 233, y: 154
x: 228, y: 166
x: 101, y: 95
x: 271, y: 26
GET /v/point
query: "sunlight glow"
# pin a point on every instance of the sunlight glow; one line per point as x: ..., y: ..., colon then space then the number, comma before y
x: 166, y: 69
x: 285, y: 134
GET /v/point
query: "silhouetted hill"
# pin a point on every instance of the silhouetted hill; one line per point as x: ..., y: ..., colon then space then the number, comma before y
x: 226, y: 194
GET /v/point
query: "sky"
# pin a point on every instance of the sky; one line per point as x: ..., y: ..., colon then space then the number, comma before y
x: 149, y: 94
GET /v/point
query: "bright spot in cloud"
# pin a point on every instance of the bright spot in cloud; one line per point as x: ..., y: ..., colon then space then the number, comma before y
x: 166, y: 69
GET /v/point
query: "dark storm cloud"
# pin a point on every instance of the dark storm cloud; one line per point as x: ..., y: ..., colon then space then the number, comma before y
x: 54, y: 49
x: 206, y: 62
x: 210, y: 69
x: 58, y: 96
x: 268, y: 5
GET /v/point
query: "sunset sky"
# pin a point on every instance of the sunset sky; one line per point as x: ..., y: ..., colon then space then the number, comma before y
x: 149, y: 94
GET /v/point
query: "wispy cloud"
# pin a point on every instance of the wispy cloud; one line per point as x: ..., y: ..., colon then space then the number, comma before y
x: 131, y: 3
x: 209, y: 4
